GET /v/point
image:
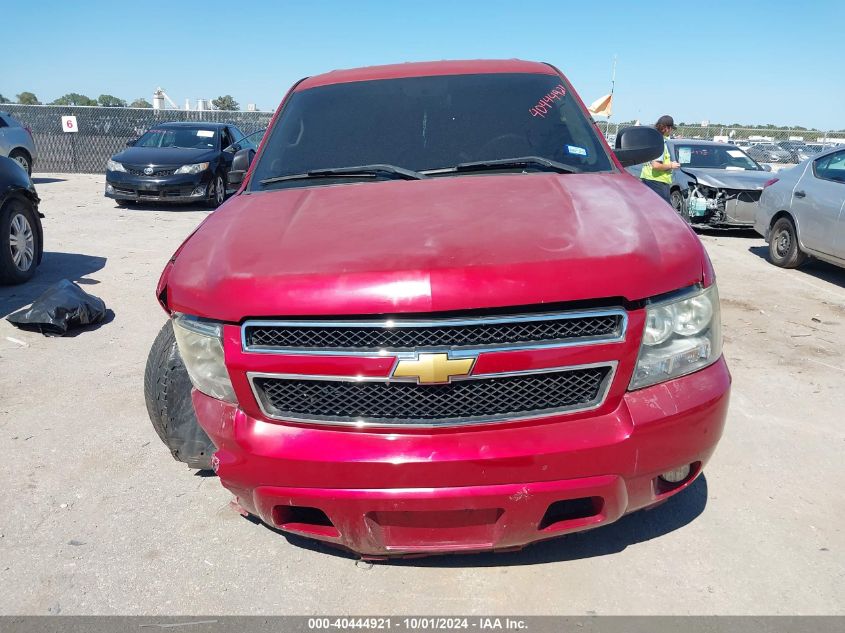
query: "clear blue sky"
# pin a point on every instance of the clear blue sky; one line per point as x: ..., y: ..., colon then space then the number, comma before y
x: 749, y: 62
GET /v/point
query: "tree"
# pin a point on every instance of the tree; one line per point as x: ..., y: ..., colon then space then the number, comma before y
x: 74, y: 99
x: 28, y: 98
x: 110, y: 101
x: 4, y: 99
x: 226, y: 102
x: 140, y: 102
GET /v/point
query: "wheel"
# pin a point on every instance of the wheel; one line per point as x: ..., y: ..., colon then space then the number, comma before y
x: 216, y: 192
x: 677, y: 202
x: 783, y: 245
x: 167, y: 390
x: 22, y: 159
x: 19, y: 245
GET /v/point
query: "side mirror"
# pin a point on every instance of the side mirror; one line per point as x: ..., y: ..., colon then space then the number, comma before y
x: 131, y: 142
x: 240, y: 165
x: 234, y: 147
x: 638, y: 144
x: 766, y: 167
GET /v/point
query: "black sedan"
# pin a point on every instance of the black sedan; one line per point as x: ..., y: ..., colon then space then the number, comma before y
x: 21, y: 235
x: 175, y: 162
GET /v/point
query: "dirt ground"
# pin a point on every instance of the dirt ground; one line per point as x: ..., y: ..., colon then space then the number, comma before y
x: 98, y: 519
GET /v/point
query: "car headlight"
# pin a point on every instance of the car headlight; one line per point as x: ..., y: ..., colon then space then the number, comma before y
x: 192, y: 169
x: 680, y: 336
x: 113, y: 165
x: 201, y: 346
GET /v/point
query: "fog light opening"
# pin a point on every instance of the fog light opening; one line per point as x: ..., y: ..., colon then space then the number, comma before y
x: 677, y: 475
x: 675, y: 478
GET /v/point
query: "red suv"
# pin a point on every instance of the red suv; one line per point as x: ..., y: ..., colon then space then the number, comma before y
x: 439, y: 316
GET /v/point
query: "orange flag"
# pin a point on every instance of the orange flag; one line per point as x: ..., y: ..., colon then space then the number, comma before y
x: 603, y: 106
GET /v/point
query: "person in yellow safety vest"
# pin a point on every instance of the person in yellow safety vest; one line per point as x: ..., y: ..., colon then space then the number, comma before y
x: 657, y: 174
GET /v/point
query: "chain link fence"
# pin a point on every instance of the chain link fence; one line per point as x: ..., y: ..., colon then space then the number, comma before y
x: 104, y: 131
x: 763, y: 144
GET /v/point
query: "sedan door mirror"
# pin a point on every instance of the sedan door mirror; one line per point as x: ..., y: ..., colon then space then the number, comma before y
x: 638, y: 144
x: 240, y: 165
x: 233, y: 148
x: 766, y: 167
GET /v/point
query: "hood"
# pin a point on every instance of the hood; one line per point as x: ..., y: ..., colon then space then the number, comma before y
x: 452, y: 243
x: 163, y: 156
x: 729, y: 179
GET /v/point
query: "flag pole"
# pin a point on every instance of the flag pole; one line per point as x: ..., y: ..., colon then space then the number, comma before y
x: 612, y: 86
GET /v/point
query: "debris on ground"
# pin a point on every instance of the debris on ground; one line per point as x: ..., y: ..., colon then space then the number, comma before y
x: 62, y: 307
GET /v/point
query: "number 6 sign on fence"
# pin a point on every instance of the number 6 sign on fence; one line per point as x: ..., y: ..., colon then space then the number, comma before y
x: 69, y: 124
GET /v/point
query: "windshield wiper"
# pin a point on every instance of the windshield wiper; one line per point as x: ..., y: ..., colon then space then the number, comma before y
x: 358, y: 171
x: 504, y: 163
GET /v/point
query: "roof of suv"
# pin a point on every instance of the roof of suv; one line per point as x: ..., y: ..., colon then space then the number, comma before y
x: 424, y: 69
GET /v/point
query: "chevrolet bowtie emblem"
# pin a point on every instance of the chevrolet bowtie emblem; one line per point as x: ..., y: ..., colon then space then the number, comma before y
x: 433, y: 369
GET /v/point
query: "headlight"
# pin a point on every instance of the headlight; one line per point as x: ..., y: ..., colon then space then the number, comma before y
x: 201, y: 346
x: 192, y: 169
x: 113, y: 165
x: 680, y: 337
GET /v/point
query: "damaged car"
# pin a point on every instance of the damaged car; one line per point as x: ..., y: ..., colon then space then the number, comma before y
x: 439, y: 316
x: 717, y: 185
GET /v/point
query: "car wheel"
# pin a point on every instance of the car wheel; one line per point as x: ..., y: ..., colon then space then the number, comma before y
x: 21, y: 158
x: 783, y: 245
x: 216, y: 192
x: 677, y: 202
x: 19, y: 245
x: 167, y: 391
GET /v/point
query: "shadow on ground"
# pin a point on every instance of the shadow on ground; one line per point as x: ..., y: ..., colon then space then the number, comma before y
x: 634, y: 528
x: 53, y: 268
x: 814, y: 267
x: 46, y: 181
x: 163, y: 206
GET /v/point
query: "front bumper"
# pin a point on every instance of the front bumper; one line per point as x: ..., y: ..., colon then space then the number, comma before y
x: 383, y: 493
x: 174, y: 188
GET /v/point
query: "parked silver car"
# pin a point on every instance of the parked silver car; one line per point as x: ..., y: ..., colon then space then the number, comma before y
x: 801, y: 211
x: 16, y: 141
x: 718, y: 185
x: 769, y: 153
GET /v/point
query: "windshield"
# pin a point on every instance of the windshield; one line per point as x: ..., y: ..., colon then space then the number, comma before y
x: 430, y: 123
x: 184, y: 137
x: 715, y: 157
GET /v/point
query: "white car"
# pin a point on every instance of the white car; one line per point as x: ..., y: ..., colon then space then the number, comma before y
x: 802, y: 211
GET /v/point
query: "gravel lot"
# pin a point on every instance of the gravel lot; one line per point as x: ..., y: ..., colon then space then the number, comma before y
x: 99, y: 519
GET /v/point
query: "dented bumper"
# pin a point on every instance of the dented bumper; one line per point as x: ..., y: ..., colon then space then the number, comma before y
x: 380, y: 493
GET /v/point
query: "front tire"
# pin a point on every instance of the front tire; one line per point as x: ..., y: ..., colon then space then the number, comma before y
x: 22, y: 159
x: 677, y: 202
x: 783, y: 245
x: 216, y: 192
x: 19, y: 242
x: 167, y: 391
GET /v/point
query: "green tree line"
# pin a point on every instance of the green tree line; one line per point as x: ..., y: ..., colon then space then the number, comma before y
x: 223, y: 102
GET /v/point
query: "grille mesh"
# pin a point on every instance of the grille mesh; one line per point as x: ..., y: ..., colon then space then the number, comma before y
x: 358, y: 337
x: 156, y: 172
x: 407, y: 403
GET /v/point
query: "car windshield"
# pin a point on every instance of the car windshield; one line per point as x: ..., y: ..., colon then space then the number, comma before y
x: 430, y: 123
x: 714, y: 157
x: 184, y: 137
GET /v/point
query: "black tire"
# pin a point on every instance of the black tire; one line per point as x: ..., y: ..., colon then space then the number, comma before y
x: 126, y: 204
x: 167, y: 390
x: 783, y: 245
x: 676, y: 199
x: 22, y: 159
x: 216, y: 191
x: 18, y: 217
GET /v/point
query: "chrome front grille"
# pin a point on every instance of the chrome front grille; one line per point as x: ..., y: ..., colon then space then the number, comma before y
x: 157, y: 172
x: 407, y: 335
x: 473, y: 400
